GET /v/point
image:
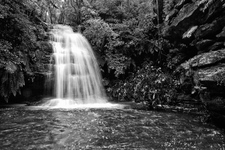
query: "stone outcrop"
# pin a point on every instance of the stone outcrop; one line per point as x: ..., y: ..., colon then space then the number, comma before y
x: 205, y: 59
x: 200, y: 25
x: 191, y: 14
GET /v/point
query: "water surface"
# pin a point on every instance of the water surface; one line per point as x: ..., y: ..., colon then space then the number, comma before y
x: 104, y: 129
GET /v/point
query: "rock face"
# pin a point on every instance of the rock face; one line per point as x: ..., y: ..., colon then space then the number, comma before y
x: 201, y: 12
x: 34, y: 88
x: 200, y: 25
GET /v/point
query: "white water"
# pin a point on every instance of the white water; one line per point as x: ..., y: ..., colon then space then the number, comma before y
x: 77, y: 79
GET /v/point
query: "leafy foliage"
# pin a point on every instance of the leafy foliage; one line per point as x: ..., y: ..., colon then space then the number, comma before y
x: 124, y: 35
x: 149, y: 85
x: 21, y: 32
x: 98, y: 32
x: 12, y: 79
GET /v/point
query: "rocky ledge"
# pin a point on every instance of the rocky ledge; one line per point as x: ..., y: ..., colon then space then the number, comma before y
x: 199, y: 25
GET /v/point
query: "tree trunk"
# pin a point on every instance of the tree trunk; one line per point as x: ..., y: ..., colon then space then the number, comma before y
x: 159, y: 5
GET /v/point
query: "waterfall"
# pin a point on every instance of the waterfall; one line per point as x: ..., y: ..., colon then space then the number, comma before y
x: 74, y: 70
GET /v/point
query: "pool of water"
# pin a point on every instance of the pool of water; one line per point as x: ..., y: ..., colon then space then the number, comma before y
x: 24, y: 128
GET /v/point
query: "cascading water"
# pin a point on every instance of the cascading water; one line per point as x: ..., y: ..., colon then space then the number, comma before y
x: 77, y: 79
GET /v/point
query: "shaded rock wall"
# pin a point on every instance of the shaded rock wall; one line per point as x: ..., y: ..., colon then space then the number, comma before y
x: 35, y: 77
x: 35, y: 87
x: 200, y: 26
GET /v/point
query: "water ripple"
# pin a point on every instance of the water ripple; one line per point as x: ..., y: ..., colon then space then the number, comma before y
x: 104, y: 129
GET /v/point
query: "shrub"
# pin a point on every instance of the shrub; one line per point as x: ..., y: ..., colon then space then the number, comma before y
x: 21, y: 33
x: 150, y: 85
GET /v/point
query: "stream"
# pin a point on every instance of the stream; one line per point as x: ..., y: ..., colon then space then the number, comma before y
x: 31, y: 129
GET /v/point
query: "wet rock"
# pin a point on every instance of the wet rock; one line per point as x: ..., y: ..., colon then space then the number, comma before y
x: 192, y: 14
x: 212, y: 8
x: 209, y: 71
x: 203, y: 44
x: 200, y: 25
x: 186, y: 15
x: 216, y: 46
x: 211, y: 29
x: 212, y: 74
x: 185, y: 19
x: 189, y: 32
x: 221, y: 34
x: 205, y: 59
x: 182, y: 3
x: 171, y: 15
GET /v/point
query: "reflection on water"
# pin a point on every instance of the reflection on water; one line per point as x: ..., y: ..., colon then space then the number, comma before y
x: 104, y: 129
